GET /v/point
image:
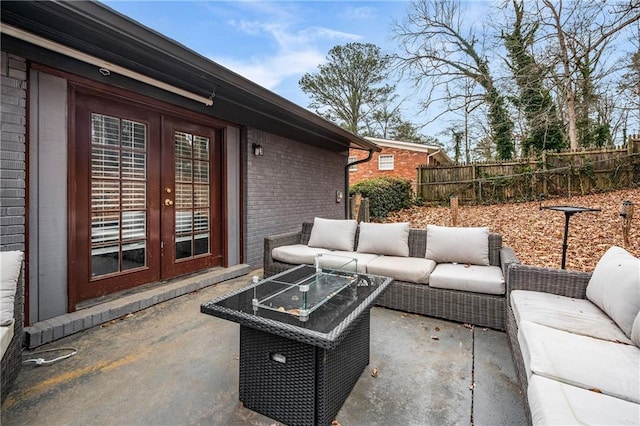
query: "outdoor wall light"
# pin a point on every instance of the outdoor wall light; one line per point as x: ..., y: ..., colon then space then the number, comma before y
x: 257, y: 150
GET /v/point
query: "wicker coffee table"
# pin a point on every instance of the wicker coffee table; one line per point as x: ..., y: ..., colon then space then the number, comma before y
x: 301, y: 354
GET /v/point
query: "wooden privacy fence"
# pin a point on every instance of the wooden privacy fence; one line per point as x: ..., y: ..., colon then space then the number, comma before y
x: 551, y: 174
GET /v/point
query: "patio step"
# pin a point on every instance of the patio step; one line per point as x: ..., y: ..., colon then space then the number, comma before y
x: 100, y: 313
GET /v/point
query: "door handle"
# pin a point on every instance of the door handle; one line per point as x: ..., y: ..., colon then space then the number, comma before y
x: 168, y: 202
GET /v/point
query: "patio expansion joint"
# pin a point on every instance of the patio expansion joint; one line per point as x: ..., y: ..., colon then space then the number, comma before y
x: 51, y: 329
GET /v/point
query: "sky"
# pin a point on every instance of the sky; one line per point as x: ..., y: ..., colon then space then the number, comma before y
x: 271, y: 43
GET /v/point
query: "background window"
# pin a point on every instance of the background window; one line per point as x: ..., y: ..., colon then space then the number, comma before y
x: 353, y: 159
x: 385, y: 162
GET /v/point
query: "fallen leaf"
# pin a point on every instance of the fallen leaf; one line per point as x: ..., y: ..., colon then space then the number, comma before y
x: 374, y: 372
x: 469, y: 326
x: 536, y: 235
x: 435, y: 337
x: 468, y: 265
x: 596, y: 390
x: 437, y: 328
x: 335, y: 423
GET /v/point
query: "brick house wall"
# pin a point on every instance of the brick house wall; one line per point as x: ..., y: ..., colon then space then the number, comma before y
x: 290, y: 184
x: 405, y: 164
x: 13, y: 74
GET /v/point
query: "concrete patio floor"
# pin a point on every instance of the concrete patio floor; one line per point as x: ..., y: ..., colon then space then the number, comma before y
x: 171, y: 365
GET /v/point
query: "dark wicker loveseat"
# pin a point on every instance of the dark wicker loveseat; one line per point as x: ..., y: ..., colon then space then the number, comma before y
x: 486, y: 310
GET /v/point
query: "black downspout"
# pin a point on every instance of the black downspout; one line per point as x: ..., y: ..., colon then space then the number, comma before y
x: 346, y: 182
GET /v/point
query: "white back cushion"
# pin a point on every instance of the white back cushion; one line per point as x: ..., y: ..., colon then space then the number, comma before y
x: 615, y: 287
x: 391, y: 239
x: 333, y: 234
x: 458, y: 245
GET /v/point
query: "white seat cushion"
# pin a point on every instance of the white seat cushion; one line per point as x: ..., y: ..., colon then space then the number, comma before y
x: 10, y: 267
x: 6, y: 334
x: 474, y: 278
x: 615, y: 287
x: 411, y: 269
x: 555, y: 403
x: 391, y: 239
x: 297, y: 254
x: 585, y: 362
x: 578, y: 316
x: 458, y: 245
x: 363, y: 258
x: 333, y: 234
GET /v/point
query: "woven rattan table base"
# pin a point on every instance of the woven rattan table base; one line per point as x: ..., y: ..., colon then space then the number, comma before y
x: 298, y: 383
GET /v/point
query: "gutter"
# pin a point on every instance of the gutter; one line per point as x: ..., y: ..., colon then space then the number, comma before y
x: 346, y: 181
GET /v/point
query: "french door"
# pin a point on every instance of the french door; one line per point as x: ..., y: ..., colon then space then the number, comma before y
x: 146, y: 197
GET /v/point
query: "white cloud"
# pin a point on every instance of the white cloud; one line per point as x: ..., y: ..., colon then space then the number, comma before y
x: 359, y: 12
x: 294, y: 48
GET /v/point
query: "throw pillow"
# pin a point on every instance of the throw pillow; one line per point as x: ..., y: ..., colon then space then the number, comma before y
x: 458, y: 245
x: 615, y: 287
x: 333, y: 234
x: 391, y: 239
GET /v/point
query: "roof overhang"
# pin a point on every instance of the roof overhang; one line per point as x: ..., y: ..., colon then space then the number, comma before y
x: 436, y: 152
x: 99, y: 32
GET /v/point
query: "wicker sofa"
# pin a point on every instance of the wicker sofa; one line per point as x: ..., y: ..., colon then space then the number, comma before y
x: 11, y: 317
x: 478, y: 308
x: 574, y: 340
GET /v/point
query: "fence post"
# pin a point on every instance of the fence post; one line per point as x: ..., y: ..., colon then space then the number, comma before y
x: 454, y: 210
x: 626, y: 214
x: 544, y: 172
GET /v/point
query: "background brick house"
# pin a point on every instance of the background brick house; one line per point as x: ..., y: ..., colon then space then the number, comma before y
x: 397, y: 158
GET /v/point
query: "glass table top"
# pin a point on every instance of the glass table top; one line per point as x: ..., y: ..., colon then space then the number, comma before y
x: 306, y: 297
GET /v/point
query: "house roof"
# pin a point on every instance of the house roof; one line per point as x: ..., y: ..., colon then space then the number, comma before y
x: 436, y: 152
x: 95, y: 29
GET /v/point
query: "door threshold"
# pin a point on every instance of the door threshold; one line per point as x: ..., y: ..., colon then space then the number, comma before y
x: 120, y: 304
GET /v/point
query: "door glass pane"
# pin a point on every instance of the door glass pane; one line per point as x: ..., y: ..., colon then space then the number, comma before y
x: 134, y: 255
x: 104, y: 260
x: 118, y: 195
x: 105, y: 228
x: 201, y: 245
x: 134, y: 195
x: 183, y: 144
x: 105, y: 163
x: 134, y: 135
x: 134, y: 225
x: 201, y: 220
x: 134, y: 165
x: 105, y: 130
x: 201, y: 148
x: 201, y: 195
x: 201, y: 172
x: 192, y: 200
x: 183, y: 247
x: 183, y: 170
x: 104, y: 195
x: 184, y: 196
x: 184, y: 222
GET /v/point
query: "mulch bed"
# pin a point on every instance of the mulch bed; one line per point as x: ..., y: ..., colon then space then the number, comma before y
x: 536, y: 235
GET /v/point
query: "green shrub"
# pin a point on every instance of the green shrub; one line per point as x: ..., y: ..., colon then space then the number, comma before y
x: 385, y: 194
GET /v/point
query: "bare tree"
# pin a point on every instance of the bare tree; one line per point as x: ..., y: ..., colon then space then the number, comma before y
x: 438, y: 52
x: 582, y: 31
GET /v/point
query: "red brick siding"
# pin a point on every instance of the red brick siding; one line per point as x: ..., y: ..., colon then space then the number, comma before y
x: 405, y: 164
